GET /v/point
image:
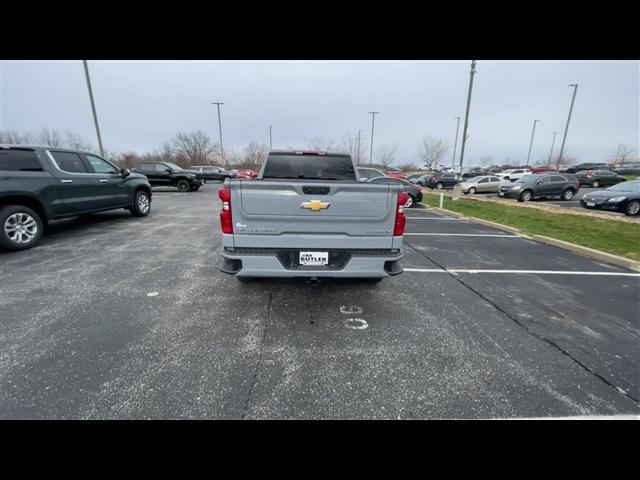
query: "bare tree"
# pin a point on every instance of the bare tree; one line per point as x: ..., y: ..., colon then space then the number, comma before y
x: 75, y: 141
x: 386, y: 154
x: 486, y: 160
x: 623, y: 154
x: 321, y: 143
x: 50, y: 137
x: 348, y: 143
x: 11, y: 137
x: 254, y: 154
x: 431, y: 151
x: 196, y: 148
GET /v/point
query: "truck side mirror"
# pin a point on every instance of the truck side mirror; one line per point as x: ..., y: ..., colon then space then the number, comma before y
x: 125, y: 172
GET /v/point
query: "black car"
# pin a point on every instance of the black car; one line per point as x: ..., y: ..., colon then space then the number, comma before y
x: 38, y: 184
x: 587, y: 166
x: 166, y: 174
x: 540, y: 185
x: 599, y: 178
x: 415, y: 193
x: 439, y: 180
x: 623, y: 197
x: 214, y: 173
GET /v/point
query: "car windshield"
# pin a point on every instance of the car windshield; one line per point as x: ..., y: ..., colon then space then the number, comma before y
x: 474, y: 179
x: 631, y: 186
x: 173, y: 166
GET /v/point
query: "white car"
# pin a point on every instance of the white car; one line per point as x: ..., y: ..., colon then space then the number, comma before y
x: 513, y: 174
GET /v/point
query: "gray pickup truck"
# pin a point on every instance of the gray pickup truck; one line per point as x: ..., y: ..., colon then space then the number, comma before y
x: 308, y: 215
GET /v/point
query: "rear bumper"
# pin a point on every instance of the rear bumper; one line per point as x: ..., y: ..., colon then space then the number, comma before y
x: 283, y: 263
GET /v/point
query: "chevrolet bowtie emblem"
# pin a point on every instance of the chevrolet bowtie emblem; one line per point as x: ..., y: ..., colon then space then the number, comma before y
x: 315, y: 205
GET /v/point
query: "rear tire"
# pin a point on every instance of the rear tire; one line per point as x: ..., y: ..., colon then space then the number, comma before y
x: 20, y: 227
x: 141, y: 204
x: 410, y: 202
x: 567, y: 195
x: 183, y: 186
x: 632, y: 208
x: 525, y: 196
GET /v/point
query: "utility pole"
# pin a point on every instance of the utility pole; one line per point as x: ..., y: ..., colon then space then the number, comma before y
x: 531, y: 143
x: 270, y: 139
x: 220, y: 130
x: 358, y: 157
x: 455, y: 144
x: 551, y: 152
x: 566, y: 128
x: 466, y: 116
x: 373, y: 119
x: 618, y: 155
x: 93, y: 106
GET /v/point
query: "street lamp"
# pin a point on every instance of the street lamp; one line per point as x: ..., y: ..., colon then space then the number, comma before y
x: 270, y: 139
x: 533, y: 132
x: 93, y: 106
x: 373, y: 119
x: 358, y: 157
x: 220, y: 130
x: 455, y: 144
x: 552, y: 143
x: 566, y: 128
x: 466, y: 116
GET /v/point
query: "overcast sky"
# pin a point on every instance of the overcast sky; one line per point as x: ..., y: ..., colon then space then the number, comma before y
x: 142, y: 104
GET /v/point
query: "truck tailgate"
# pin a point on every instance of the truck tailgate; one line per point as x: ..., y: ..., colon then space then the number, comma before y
x: 313, y: 214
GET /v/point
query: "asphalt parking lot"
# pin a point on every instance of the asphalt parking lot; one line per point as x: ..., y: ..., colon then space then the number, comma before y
x: 117, y: 317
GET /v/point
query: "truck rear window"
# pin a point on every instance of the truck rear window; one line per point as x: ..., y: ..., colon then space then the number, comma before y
x: 19, y: 159
x: 310, y: 167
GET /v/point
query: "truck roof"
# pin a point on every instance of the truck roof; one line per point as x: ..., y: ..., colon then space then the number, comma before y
x: 308, y: 152
x: 45, y: 147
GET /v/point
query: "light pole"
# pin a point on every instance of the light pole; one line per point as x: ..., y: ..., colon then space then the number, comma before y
x: 455, y: 144
x: 566, y: 128
x: 617, y: 155
x: 533, y: 132
x: 551, y: 152
x: 466, y: 116
x: 270, y: 139
x: 373, y: 119
x: 220, y: 130
x: 93, y: 106
x: 358, y: 157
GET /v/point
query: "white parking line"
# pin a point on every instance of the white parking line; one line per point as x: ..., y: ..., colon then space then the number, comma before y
x: 464, y: 235
x: 540, y: 272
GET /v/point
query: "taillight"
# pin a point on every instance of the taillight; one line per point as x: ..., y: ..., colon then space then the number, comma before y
x: 401, y: 221
x: 226, y: 223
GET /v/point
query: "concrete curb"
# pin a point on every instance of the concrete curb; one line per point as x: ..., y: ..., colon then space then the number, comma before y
x: 590, y: 252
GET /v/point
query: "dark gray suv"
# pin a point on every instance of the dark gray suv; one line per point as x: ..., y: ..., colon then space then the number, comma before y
x: 541, y: 185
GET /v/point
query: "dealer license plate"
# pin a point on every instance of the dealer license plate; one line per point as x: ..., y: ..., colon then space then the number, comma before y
x: 314, y: 258
x: 591, y: 204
